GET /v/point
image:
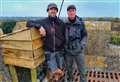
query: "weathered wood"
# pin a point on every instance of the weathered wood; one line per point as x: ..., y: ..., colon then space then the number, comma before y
x: 20, y: 25
x: 38, y: 52
x: 13, y: 73
x: 1, y: 77
x: 24, y: 62
x: 22, y: 45
x: 34, y: 34
x: 34, y: 75
x: 22, y: 34
x: 37, y: 43
x: 23, y: 54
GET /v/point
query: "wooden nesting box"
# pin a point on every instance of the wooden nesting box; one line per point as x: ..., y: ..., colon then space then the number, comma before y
x: 23, y: 48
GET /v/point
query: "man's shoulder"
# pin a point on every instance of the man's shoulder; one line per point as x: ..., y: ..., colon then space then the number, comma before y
x: 44, y: 21
x: 79, y: 20
x: 33, y: 23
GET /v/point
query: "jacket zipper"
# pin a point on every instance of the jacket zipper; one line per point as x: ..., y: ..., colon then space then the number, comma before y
x: 53, y: 36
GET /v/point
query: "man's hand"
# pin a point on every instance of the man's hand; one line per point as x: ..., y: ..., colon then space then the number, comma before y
x: 42, y: 31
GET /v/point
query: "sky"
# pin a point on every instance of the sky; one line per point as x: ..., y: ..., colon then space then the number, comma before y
x: 37, y: 8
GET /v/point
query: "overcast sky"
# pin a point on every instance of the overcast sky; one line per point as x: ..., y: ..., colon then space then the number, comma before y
x: 85, y: 8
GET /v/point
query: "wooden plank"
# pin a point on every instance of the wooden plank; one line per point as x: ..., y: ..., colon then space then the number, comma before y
x: 24, y: 63
x: 38, y: 52
x: 13, y: 73
x: 7, y: 81
x: 38, y: 61
x: 24, y: 34
x: 26, y: 45
x: 23, y: 54
x: 19, y: 35
x: 35, y: 34
x: 34, y: 75
x: 20, y: 25
x: 22, y: 45
x: 37, y: 43
x: 1, y: 77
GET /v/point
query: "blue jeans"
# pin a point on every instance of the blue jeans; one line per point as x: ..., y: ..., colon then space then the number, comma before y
x: 55, y: 60
x: 79, y: 60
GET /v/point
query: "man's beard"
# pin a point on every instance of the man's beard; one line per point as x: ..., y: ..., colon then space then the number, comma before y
x: 53, y: 15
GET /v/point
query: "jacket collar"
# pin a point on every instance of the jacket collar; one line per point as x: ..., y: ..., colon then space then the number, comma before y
x: 77, y: 21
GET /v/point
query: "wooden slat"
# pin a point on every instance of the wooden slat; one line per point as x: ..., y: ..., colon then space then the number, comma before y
x: 34, y: 75
x: 1, y: 77
x: 38, y: 52
x: 24, y: 63
x: 37, y: 43
x: 20, y: 25
x: 13, y: 73
x: 26, y: 45
x: 23, y: 54
x: 35, y: 34
x: 24, y: 34
x: 19, y: 35
x: 22, y: 45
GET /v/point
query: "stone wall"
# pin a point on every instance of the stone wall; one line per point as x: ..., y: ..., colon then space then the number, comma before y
x: 98, y: 53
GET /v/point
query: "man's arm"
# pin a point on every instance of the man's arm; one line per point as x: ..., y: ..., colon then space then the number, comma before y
x: 37, y: 24
x: 34, y: 23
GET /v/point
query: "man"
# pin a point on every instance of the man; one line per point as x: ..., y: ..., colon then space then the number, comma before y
x: 53, y: 31
x: 76, y: 38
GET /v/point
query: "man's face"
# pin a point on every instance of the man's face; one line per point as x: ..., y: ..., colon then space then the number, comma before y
x: 52, y: 12
x: 71, y: 13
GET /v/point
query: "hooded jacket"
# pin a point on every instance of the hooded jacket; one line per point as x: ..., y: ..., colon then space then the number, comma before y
x: 76, y: 36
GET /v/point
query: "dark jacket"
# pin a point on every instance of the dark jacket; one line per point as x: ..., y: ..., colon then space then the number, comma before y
x: 55, y: 37
x: 76, y: 36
